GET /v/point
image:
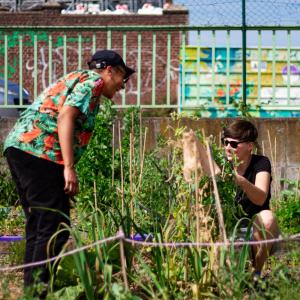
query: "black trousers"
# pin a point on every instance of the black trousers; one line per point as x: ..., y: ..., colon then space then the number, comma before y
x: 40, y: 184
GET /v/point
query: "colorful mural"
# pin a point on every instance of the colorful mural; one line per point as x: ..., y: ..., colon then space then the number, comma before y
x: 211, y: 79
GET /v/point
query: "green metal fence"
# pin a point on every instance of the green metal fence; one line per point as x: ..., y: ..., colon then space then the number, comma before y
x: 167, y: 70
x: 34, y: 57
x: 215, y: 79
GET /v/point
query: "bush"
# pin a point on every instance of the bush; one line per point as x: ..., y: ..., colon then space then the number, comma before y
x: 288, y: 208
x: 8, y: 192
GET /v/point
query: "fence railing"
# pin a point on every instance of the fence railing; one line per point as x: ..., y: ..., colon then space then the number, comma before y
x: 177, y: 67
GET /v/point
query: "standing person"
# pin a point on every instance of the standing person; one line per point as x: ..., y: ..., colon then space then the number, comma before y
x: 45, y: 144
x: 253, y: 179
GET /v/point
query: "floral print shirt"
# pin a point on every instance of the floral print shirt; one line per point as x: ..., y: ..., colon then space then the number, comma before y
x: 36, y: 130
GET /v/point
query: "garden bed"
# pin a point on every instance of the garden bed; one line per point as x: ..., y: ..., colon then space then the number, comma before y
x: 123, y: 186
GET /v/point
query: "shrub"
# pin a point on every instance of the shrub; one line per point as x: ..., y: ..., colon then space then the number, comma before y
x: 8, y: 192
x: 288, y: 208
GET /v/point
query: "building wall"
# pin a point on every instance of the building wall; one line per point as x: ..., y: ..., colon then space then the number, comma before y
x: 278, y: 139
x: 53, y: 17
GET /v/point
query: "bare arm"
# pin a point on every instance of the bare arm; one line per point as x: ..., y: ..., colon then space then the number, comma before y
x: 258, y: 192
x: 65, y: 124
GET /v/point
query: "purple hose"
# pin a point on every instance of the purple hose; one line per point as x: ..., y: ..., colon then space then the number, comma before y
x: 10, y: 238
x: 142, y: 237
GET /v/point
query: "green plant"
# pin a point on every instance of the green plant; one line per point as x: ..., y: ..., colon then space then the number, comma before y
x: 8, y: 192
x: 12, y: 220
x: 96, y: 164
x: 288, y: 207
x: 145, y: 192
x: 282, y: 280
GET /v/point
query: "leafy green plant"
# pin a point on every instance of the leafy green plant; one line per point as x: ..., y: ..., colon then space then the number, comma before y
x: 124, y: 186
x: 12, y: 220
x: 288, y: 207
x: 8, y: 192
x: 95, y: 166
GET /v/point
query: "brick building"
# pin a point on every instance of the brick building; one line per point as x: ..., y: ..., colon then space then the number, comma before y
x: 79, y: 42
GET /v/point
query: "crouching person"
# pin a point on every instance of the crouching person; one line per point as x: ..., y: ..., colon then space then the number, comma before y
x: 253, y: 179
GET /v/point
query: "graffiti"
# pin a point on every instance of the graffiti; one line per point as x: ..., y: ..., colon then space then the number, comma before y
x: 56, y: 64
x: 270, y: 80
x: 29, y: 38
x: 131, y: 87
x: 147, y: 69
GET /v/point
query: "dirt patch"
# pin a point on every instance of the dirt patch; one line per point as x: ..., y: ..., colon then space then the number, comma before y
x: 11, y: 283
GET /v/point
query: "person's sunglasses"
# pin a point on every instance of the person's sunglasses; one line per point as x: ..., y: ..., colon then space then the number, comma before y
x: 122, y: 71
x: 233, y: 144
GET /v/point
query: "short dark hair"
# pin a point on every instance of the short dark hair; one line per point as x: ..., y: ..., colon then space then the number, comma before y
x: 242, y: 130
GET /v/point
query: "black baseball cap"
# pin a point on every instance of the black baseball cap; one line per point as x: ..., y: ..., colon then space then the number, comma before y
x: 104, y: 58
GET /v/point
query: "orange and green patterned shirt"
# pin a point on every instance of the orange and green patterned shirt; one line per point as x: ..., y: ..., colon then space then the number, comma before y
x: 36, y: 130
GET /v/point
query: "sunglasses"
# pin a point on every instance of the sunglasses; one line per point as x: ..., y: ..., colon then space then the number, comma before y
x: 233, y: 144
x: 122, y: 71
x: 125, y: 80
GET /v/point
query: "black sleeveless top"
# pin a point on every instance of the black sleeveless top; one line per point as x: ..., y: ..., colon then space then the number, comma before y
x: 257, y: 164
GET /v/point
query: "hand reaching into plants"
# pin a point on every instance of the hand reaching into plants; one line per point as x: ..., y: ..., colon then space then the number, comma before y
x: 71, y: 183
x: 239, y: 179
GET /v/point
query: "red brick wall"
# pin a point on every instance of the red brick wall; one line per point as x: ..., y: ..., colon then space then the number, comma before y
x: 52, y: 17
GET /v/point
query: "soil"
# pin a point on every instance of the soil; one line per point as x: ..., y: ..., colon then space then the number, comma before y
x: 11, y: 283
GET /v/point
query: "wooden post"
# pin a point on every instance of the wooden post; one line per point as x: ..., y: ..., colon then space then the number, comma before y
x: 123, y: 259
x: 216, y: 193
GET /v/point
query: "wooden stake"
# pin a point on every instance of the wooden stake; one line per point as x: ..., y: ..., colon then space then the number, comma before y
x: 142, y: 158
x: 130, y: 175
x: 122, y: 175
x: 113, y: 157
x: 95, y: 195
x: 197, y: 199
x: 123, y: 260
x: 141, y: 135
x: 216, y: 193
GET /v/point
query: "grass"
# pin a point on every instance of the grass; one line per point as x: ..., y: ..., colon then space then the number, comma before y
x: 158, y: 273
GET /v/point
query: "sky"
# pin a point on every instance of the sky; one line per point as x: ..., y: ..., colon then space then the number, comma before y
x: 258, y: 12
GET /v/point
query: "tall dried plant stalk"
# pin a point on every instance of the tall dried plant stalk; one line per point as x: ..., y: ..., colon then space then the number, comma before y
x: 99, y: 257
x: 95, y: 195
x: 141, y: 134
x: 220, y: 140
x: 113, y: 157
x: 131, y: 151
x: 196, y: 183
x: 216, y: 193
x: 275, y: 166
x: 123, y: 261
x: 122, y: 171
x: 273, y: 161
x: 142, y: 159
